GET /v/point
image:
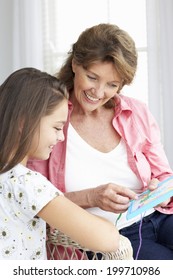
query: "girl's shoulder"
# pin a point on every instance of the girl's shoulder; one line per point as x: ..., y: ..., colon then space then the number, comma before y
x: 19, y: 171
x: 20, y: 184
x: 23, y: 177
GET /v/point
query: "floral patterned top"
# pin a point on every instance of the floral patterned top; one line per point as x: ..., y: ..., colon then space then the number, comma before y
x: 23, y: 193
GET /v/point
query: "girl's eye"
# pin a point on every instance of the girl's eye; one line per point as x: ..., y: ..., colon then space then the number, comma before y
x: 58, y: 128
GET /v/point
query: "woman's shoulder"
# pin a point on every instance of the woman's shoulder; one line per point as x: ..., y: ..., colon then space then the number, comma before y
x: 140, y: 111
x: 133, y: 102
x: 136, y: 106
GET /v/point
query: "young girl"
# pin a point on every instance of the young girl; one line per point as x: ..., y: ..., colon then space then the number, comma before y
x: 33, y: 110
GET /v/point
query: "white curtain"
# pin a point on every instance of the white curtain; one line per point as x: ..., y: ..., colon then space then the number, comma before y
x: 27, y: 34
x: 160, y: 67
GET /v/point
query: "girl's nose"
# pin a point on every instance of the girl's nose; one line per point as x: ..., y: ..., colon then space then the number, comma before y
x: 60, y: 136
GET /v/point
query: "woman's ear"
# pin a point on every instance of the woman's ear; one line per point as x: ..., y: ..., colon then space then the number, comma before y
x: 73, y: 65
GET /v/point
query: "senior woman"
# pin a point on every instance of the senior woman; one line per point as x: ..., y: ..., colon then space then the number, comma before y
x: 112, y: 149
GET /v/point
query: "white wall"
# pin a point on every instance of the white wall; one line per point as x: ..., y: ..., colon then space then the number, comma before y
x: 160, y: 62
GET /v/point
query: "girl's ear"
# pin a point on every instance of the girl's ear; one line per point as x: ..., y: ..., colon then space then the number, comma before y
x: 21, y: 125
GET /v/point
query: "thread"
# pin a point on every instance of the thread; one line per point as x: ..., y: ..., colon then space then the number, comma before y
x: 119, y: 216
x: 140, y: 237
x: 140, y: 233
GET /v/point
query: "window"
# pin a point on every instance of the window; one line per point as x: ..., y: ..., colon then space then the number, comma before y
x: 59, y: 23
x: 64, y: 20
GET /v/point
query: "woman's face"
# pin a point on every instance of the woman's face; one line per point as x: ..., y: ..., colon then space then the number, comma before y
x: 94, y: 86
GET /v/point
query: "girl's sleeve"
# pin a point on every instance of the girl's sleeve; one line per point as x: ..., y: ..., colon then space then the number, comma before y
x: 34, y: 192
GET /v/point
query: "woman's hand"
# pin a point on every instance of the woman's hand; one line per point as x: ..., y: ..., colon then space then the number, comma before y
x: 111, y: 197
x: 152, y: 186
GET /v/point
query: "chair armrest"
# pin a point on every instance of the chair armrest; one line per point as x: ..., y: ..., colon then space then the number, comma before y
x: 60, y: 246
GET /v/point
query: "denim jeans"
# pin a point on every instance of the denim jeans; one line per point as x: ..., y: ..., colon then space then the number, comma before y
x: 156, y: 241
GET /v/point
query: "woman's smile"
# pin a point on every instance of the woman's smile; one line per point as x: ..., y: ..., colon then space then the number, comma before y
x: 90, y: 98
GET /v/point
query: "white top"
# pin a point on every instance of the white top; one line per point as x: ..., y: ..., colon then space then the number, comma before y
x: 23, y: 193
x: 87, y: 167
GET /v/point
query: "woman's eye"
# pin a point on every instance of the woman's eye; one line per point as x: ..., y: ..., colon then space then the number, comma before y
x: 114, y: 85
x: 91, y: 77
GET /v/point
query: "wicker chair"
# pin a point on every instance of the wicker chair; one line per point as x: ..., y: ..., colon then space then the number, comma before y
x: 61, y: 247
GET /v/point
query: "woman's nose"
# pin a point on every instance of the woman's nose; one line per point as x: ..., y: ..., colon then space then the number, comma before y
x: 98, y: 91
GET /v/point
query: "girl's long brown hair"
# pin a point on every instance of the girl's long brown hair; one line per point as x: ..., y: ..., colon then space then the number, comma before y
x: 26, y: 96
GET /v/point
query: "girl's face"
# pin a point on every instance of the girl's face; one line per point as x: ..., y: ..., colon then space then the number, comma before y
x: 94, y: 86
x: 50, y: 132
